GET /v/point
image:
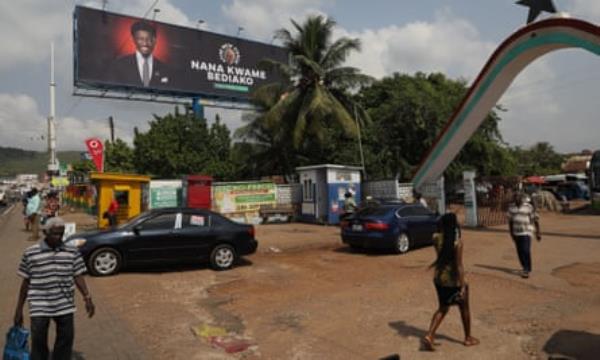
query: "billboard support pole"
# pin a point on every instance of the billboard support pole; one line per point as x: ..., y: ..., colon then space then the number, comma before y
x: 198, y: 108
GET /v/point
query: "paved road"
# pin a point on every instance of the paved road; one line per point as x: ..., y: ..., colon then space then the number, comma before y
x: 103, y: 337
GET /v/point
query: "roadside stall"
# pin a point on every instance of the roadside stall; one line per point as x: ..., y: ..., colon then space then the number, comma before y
x: 130, y: 191
x: 197, y: 191
x: 242, y: 201
x: 323, y: 190
x: 80, y: 193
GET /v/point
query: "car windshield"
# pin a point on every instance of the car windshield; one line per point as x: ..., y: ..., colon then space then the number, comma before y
x: 374, y: 211
x: 132, y: 221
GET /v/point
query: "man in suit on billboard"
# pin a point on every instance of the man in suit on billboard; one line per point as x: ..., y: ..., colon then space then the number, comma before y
x: 141, y: 68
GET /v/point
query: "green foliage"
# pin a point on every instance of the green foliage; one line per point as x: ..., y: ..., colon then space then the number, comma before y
x: 219, y: 164
x: 83, y: 166
x: 408, y: 113
x: 539, y: 159
x: 180, y: 144
x: 118, y: 157
x: 301, y: 117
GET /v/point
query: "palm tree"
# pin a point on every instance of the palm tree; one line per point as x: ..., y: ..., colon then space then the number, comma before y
x: 319, y: 93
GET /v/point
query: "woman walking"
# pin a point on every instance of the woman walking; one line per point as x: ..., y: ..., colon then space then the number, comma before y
x: 449, y: 280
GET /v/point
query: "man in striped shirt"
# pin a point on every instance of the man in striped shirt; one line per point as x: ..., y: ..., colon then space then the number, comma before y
x: 523, y: 221
x: 50, y: 272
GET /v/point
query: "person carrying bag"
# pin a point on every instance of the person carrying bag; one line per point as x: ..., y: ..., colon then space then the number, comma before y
x: 16, y: 347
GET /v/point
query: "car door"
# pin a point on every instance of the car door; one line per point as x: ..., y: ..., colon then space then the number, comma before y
x: 407, y: 216
x: 153, y: 239
x: 419, y: 222
x: 426, y: 220
x: 195, y: 236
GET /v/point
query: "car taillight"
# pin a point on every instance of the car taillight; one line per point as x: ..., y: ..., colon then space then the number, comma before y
x: 251, y: 231
x: 377, y: 226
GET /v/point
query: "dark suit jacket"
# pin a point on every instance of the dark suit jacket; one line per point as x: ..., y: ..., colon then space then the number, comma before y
x: 125, y: 71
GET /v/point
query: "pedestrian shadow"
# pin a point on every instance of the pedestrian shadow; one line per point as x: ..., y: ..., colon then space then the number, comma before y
x: 363, y: 251
x: 572, y: 344
x: 514, y: 272
x: 408, y: 331
x: 345, y: 249
x: 544, y: 233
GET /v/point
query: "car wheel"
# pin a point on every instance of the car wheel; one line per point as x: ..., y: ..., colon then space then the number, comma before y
x: 104, y: 262
x: 222, y: 257
x: 402, y: 244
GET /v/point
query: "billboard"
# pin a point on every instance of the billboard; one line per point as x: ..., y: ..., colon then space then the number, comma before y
x: 243, y: 197
x: 126, y: 53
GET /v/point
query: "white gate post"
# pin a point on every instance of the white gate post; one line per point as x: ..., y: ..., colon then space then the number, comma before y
x: 470, y: 199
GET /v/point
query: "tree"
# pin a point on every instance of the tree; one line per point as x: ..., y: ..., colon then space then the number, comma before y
x: 219, y: 164
x: 265, y: 147
x: 319, y: 95
x: 175, y: 145
x: 539, y: 159
x: 180, y: 144
x: 118, y: 157
x: 83, y: 166
x: 409, y: 112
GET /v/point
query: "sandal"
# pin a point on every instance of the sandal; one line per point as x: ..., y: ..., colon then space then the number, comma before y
x: 427, y: 344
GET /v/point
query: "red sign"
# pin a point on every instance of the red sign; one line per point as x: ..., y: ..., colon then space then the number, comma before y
x: 96, y: 151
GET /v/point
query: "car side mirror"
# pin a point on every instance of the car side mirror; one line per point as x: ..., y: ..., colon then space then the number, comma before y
x: 136, y: 229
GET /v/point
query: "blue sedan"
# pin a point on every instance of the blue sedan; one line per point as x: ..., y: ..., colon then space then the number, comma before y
x: 397, y: 227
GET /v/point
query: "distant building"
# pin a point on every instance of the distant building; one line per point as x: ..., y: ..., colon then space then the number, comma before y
x: 577, y: 164
x: 27, y: 178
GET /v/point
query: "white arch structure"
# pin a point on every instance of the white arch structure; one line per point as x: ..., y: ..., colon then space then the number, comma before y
x: 515, y: 53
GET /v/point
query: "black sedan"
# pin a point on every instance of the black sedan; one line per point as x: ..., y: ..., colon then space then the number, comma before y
x: 398, y: 227
x: 166, y: 235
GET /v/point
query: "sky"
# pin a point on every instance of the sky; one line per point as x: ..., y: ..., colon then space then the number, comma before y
x: 552, y: 100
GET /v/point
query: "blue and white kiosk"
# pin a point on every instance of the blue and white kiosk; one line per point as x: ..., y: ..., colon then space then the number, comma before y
x: 323, y: 189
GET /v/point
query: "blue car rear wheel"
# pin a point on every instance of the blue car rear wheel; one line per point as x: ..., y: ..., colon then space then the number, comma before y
x: 402, y: 244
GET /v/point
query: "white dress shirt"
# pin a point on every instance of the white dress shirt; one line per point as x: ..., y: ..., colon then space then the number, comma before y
x: 140, y: 64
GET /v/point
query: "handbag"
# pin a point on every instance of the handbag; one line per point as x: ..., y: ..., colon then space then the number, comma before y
x: 16, y: 347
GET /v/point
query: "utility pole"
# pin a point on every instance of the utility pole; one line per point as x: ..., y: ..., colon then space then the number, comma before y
x: 53, y: 161
x: 111, y: 123
x: 362, y: 156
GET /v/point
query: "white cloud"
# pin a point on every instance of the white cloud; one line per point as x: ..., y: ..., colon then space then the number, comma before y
x: 24, y: 127
x: 585, y: 9
x: 33, y: 24
x: 28, y: 27
x: 260, y: 18
x: 168, y: 13
x: 448, y: 44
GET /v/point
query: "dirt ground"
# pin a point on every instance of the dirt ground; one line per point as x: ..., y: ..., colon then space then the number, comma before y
x: 304, y: 295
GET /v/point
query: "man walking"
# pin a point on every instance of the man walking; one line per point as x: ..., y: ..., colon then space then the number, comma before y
x: 32, y: 211
x: 523, y: 220
x: 50, y: 272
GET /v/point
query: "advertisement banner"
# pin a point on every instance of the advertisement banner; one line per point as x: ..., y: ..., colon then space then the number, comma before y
x: 126, y: 53
x: 165, y: 194
x: 243, y: 197
x: 96, y: 151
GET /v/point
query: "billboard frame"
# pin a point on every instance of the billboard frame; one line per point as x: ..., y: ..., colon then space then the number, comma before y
x: 88, y: 89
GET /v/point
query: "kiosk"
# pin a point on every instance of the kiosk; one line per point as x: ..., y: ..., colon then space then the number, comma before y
x: 197, y: 191
x: 323, y: 189
x: 131, y: 191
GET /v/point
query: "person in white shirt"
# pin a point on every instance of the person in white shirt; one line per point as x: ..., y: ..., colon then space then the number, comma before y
x: 419, y: 199
x: 523, y: 222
